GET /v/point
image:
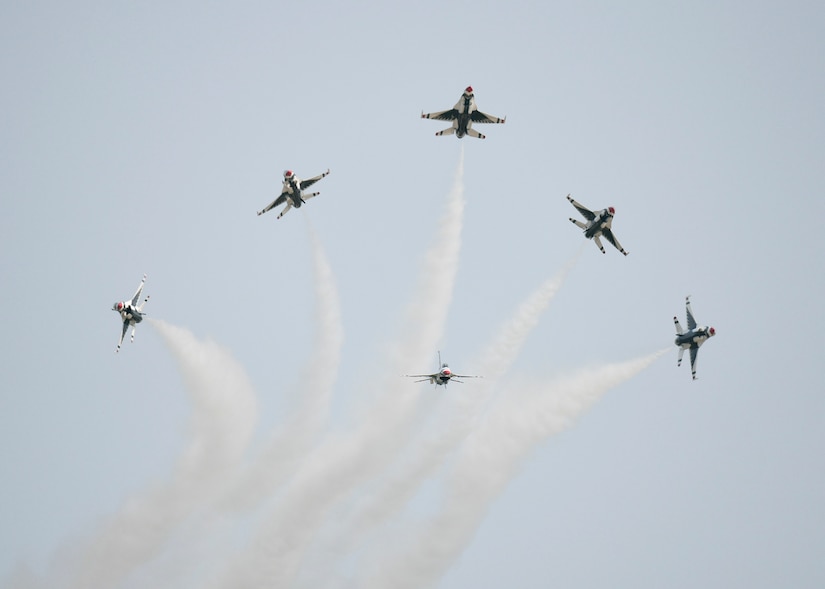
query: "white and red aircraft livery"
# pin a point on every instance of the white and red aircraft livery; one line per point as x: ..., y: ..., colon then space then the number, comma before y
x: 692, y: 338
x: 292, y: 193
x: 599, y: 224
x: 463, y: 115
x: 131, y: 313
x: 443, y: 376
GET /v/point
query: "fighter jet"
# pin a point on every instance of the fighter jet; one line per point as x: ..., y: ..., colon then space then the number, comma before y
x: 292, y: 193
x: 691, y: 339
x: 598, y: 224
x: 443, y: 376
x: 131, y: 313
x: 463, y: 115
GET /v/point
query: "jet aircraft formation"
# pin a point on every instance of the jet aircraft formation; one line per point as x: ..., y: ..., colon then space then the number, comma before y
x: 597, y: 224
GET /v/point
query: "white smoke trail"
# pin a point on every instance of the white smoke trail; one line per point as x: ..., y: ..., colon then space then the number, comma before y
x: 200, y: 540
x: 510, y: 339
x: 222, y: 423
x: 292, y: 441
x: 427, y: 312
x: 21, y: 577
x: 346, y: 461
x: 431, y: 453
x: 487, y: 462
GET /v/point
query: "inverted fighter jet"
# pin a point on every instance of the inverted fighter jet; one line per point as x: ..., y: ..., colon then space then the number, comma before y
x: 463, y: 115
x: 443, y: 376
x: 131, y: 313
x: 292, y: 193
x: 691, y: 339
x: 598, y: 224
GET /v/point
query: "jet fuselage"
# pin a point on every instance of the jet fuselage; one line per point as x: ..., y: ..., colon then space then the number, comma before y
x: 603, y: 221
x: 128, y: 312
x: 696, y: 337
x: 442, y: 377
x: 294, y: 191
x: 465, y: 107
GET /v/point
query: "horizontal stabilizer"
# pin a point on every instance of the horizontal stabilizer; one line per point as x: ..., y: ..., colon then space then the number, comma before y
x: 679, y: 330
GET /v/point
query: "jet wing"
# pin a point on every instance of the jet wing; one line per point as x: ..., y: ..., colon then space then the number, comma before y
x: 136, y: 298
x: 122, y: 334
x: 608, y: 235
x: 691, y: 322
x: 444, y: 115
x: 479, y: 117
x: 277, y: 202
x: 586, y: 213
x: 694, y: 353
x: 423, y: 377
x: 310, y: 181
x: 466, y: 376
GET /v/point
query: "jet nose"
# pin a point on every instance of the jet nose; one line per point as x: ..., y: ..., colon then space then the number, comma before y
x: 712, y: 331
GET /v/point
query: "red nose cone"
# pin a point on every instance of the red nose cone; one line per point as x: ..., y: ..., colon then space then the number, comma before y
x: 120, y: 306
x: 446, y: 372
x: 469, y: 90
x: 612, y: 210
x: 712, y: 331
x: 288, y: 173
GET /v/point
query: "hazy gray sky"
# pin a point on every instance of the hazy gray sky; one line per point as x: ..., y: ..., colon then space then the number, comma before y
x: 253, y: 423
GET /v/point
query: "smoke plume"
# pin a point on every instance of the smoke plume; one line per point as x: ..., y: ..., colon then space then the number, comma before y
x: 485, y: 464
x: 224, y: 414
x: 344, y: 461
